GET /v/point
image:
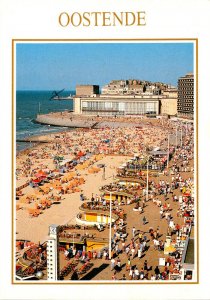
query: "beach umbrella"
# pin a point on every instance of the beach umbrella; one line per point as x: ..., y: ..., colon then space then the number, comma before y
x: 171, y: 249
x: 40, y: 173
x: 38, y: 180
x: 186, y: 194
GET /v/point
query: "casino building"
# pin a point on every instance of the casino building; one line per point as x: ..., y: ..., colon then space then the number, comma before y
x: 124, y: 102
x: 117, y: 105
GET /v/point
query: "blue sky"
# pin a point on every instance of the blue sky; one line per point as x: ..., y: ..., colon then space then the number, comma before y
x: 54, y: 66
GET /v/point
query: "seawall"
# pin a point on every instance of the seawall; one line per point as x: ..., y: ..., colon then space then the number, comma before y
x: 57, y: 119
x: 81, y: 121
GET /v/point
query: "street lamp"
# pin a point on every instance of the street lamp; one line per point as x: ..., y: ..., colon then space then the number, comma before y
x: 181, y: 134
x: 104, y: 172
x: 110, y: 226
x: 147, y: 192
x: 168, y: 151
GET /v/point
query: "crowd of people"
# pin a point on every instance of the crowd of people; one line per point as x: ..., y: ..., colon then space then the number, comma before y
x: 165, y: 210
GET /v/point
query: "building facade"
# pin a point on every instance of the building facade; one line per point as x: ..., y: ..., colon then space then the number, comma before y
x: 117, y: 105
x: 169, y: 102
x: 185, y: 104
x: 133, y: 86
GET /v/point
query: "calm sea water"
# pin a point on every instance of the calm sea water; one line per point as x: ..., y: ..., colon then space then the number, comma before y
x: 28, y: 104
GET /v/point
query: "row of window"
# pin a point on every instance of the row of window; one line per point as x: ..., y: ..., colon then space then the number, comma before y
x: 127, y: 107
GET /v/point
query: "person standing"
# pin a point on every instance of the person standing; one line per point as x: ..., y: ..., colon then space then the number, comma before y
x: 128, y: 265
x: 144, y: 220
x: 133, y: 252
x: 112, y: 264
x: 131, y: 274
x: 133, y: 231
x: 157, y: 271
x: 136, y: 274
x: 140, y: 237
x: 139, y: 253
x: 145, y: 265
x: 114, y: 276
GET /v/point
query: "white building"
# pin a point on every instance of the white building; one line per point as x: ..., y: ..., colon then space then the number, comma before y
x: 111, y: 105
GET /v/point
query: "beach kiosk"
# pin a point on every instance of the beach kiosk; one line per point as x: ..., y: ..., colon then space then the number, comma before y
x: 94, y: 216
x: 121, y: 196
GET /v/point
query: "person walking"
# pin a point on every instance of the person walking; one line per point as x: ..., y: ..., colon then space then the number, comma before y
x: 145, y: 265
x: 144, y: 220
x: 133, y: 231
x: 114, y: 276
x: 140, y: 237
x: 128, y: 265
x: 139, y: 253
x: 157, y: 272
x: 112, y: 264
x: 133, y: 252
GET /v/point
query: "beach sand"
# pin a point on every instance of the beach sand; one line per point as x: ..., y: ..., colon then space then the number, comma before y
x: 36, y: 229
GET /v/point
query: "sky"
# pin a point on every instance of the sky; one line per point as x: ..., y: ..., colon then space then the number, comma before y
x: 54, y: 66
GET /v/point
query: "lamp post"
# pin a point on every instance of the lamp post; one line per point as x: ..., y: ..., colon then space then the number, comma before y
x: 181, y: 134
x: 168, y: 151
x: 104, y: 172
x: 147, y: 179
x: 110, y: 226
x: 176, y: 136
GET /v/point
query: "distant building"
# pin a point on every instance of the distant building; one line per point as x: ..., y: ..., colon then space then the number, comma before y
x: 87, y: 90
x: 133, y: 86
x: 185, y: 104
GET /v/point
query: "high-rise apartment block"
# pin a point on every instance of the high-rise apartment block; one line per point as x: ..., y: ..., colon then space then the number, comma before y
x: 185, y: 104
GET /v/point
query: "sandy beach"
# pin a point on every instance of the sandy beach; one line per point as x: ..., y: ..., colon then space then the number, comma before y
x: 36, y: 229
x: 116, y: 145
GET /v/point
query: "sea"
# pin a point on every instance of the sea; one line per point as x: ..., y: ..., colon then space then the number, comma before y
x: 28, y: 105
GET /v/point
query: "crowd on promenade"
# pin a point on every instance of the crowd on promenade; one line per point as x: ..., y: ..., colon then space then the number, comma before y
x: 132, y: 250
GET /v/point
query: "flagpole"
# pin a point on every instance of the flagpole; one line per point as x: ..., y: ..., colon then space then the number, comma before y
x: 147, y: 178
x: 181, y: 135
x: 168, y: 151
x: 110, y: 226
